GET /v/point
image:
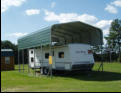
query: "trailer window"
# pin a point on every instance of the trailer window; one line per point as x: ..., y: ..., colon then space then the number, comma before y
x: 61, y: 55
x: 32, y: 52
x: 46, y: 55
x: 32, y: 59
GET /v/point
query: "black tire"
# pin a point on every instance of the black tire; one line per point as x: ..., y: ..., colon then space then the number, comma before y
x: 90, y: 70
x: 45, y: 71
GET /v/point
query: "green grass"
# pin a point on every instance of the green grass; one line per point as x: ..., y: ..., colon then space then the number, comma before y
x: 109, y: 81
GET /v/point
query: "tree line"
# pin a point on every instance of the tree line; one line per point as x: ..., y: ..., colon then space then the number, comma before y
x: 110, y: 52
x: 114, y: 39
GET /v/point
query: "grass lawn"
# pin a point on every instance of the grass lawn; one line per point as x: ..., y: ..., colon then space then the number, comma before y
x: 109, y: 81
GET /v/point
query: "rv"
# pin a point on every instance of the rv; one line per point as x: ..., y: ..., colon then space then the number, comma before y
x: 67, y: 57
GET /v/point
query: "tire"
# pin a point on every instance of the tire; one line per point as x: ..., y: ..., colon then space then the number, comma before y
x: 90, y: 70
x: 45, y: 71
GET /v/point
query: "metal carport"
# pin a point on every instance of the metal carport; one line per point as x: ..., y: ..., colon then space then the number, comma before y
x: 65, y: 33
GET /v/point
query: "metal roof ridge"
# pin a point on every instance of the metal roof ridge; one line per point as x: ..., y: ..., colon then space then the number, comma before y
x: 79, y: 22
x: 40, y: 30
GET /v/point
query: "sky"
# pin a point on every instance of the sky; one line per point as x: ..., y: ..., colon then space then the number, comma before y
x: 21, y: 17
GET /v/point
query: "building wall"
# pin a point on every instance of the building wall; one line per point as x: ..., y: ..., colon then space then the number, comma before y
x: 7, y: 66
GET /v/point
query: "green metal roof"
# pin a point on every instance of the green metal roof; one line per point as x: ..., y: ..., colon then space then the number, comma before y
x: 77, y: 32
x: 35, y: 39
x: 72, y: 32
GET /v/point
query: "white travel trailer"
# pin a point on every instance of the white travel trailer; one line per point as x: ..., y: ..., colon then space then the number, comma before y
x: 68, y: 43
x: 67, y: 57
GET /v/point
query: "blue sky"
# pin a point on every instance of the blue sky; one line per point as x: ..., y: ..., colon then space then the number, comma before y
x: 21, y: 17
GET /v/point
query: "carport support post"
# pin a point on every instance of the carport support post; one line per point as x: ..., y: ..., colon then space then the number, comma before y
x: 101, y: 65
x: 41, y: 70
x: 18, y: 61
x: 28, y: 60
x: 102, y: 56
x: 50, y: 65
x: 34, y: 63
x: 23, y: 59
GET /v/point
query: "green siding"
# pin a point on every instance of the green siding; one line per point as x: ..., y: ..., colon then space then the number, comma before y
x: 41, y: 37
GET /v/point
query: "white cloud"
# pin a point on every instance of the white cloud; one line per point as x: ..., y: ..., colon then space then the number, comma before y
x: 117, y: 3
x: 17, y: 34
x: 67, y: 17
x: 87, y: 18
x: 32, y: 12
x: 53, y: 4
x: 104, y: 25
x: 111, y: 9
x: 14, y: 36
x: 90, y: 19
x: 113, y: 6
x: 6, y: 4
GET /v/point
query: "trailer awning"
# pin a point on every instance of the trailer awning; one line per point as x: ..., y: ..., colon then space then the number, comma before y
x: 72, y: 32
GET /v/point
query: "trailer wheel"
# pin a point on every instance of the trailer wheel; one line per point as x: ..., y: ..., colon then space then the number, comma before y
x: 45, y: 71
x: 90, y: 70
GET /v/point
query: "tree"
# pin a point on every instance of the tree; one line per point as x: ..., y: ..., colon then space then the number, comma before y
x: 8, y: 45
x: 114, y: 37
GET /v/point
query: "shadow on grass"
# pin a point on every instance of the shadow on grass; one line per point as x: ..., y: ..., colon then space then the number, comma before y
x: 87, y: 76
x: 90, y: 76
